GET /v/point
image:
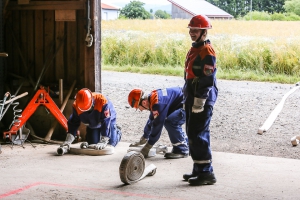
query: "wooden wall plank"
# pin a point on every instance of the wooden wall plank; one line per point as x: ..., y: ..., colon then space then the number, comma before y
x: 8, y: 44
x: 24, y: 41
x: 89, y: 70
x: 47, y: 5
x: 39, y: 42
x: 59, y: 59
x: 97, y: 44
x: 17, y: 63
x: 81, y: 47
x: 30, y: 44
x: 72, y: 59
x: 49, y: 46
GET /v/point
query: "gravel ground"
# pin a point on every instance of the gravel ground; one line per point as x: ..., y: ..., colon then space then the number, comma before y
x: 242, y: 107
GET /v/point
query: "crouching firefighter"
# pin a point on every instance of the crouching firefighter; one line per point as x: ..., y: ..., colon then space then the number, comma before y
x: 166, y: 110
x: 99, y: 115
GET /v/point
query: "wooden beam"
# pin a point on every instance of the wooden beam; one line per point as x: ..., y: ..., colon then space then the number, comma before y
x: 93, y: 54
x: 65, y: 15
x: 47, y: 5
x: 23, y: 2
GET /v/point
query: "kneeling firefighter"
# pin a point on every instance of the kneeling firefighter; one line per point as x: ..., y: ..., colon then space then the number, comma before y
x: 98, y: 114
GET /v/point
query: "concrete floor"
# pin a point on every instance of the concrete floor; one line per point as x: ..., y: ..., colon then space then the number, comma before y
x: 38, y: 173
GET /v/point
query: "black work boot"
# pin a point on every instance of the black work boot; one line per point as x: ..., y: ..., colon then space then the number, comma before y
x: 171, y: 155
x: 203, y: 179
x: 187, y: 176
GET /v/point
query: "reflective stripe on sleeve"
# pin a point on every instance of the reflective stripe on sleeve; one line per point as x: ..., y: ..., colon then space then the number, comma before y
x: 164, y: 92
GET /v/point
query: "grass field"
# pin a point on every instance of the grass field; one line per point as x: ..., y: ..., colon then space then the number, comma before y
x: 246, y: 50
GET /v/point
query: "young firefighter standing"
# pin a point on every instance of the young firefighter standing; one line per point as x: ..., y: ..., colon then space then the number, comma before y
x: 200, y: 94
x: 165, y: 106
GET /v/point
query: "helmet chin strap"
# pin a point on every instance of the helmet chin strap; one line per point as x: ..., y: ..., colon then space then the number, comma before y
x: 202, y: 32
x: 141, y: 104
x: 145, y: 107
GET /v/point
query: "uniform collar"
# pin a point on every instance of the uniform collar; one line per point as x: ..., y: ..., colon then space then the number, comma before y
x: 199, y: 44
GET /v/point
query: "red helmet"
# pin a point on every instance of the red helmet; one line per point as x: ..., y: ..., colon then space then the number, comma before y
x: 84, y: 99
x: 134, y: 98
x: 200, y: 22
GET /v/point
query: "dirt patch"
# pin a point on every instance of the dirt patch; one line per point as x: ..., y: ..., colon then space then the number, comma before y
x: 242, y: 107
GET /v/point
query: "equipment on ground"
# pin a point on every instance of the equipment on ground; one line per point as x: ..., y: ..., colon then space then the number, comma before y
x: 156, y: 149
x: 132, y: 168
x: 295, y: 140
x: 89, y: 150
x: 270, y: 120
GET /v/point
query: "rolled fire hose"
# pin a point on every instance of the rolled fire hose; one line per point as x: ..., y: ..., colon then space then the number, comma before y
x: 132, y: 168
x: 270, y: 120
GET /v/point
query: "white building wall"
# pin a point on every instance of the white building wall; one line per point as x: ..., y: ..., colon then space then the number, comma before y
x: 178, y: 13
x: 109, y: 14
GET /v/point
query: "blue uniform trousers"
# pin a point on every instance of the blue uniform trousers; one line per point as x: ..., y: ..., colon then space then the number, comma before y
x: 178, y: 138
x: 197, y: 128
x: 93, y: 135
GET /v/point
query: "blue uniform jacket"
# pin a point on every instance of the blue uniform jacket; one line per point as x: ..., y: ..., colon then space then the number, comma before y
x: 200, y: 74
x: 162, y: 103
x: 101, y: 116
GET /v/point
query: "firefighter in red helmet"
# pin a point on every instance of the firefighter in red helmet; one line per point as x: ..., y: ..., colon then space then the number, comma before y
x: 200, y: 94
x: 166, y: 110
x: 99, y: 115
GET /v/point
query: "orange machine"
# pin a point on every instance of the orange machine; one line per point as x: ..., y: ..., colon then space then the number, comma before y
x: 41, y: 97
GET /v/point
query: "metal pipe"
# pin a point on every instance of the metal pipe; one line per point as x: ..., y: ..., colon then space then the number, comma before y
x: 62, y: 150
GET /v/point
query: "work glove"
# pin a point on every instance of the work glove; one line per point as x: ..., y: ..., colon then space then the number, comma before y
x: 102, y: 143
x: 141, y: 142
x: 145, y: 150
x: 198, y: 105
x: 68, y: 141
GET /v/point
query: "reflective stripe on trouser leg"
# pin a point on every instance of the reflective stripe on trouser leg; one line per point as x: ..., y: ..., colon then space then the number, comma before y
x: 202, y: 161
x: 178, y: 138
x: 199, y: 138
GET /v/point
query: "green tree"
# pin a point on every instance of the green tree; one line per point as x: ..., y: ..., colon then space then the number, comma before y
x: 292, y: 6
x: 242, y: 7
x: 134, y: 10
x: 162, y: 14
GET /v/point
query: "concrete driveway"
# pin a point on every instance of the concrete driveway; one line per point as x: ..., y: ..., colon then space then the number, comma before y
x: 38, y: 173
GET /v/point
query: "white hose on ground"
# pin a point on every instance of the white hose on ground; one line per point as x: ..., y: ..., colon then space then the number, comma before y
x: 270, y: 120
